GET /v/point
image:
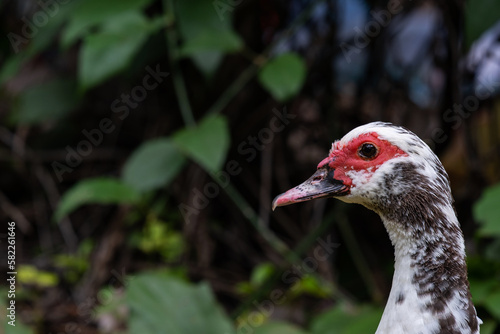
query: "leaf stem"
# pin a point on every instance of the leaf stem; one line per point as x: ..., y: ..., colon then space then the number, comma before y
x: 279, y: 246
x: 177, y: 77
x: 259, y: 61
x: 293, y: 257
x: 234, y: 89
x: 357, y: 256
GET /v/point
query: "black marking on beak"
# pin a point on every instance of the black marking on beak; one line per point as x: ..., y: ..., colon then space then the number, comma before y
x: 320, y: 185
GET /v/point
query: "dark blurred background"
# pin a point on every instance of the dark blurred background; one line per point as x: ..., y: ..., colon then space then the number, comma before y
x: 142, y: 143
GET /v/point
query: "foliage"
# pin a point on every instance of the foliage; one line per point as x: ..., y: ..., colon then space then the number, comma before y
x: 20, y: 328
x: 480, y: 15
x: 58, y: 96
x: 30, y: 275
x: 206, y: 38
x: 73, y: 266
x: 309, y: 285
x: 113, y: 48
x: 105, y: 43
x: 342, y: 320
x: 152, y: 165
x: 158, y: 237
x: 91, y: 14
x: 207, y: 143
x: 158, y: 303
x: 276, y: 327
x: 283, y: 76
x: 487, y: 212
x: 162, y: 302
x: 485, y: 288
x: 98, y: 190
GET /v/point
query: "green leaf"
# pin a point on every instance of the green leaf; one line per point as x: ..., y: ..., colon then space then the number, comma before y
x: 29, y: 274
x: 492, y: 304
x: 480, y: 15
x: 225, y: 40
x: 313, y: 286
x: 261, y: 273
x: 158, y: 237
x: 48, y: 34
x: 487, y: 212
x: 160, y: 303
x: 153, y: 165
x: 276, y: 327
x: 98, y: 190
x: 90, y: 13
x: 338, y: 320
x: 207, y: 143
x: 283, y: 76
x: 46, y: 102
x: 207, y: 61
x: 481, y: 289
x: 488, y: 327
x: 206, y: 36
x: 29, y: 43
x: 492, y: 251
x: 11, y: 66
x: 19, y: 328
x: 111, y: 50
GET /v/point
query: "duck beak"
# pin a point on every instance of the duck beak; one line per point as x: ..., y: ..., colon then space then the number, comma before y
x: 320, y: 185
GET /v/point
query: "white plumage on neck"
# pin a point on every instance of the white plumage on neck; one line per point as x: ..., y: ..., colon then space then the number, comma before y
x: 405, y: 310
x: 391, y: 171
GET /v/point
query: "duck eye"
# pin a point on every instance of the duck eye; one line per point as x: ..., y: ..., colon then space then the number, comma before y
x: 368, y: 151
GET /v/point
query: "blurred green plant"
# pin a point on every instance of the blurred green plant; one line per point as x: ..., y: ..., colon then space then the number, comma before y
x: 158, y: 237
x: 152, y: 165
x: 20, y: 328
x: 191, y: 308
x: 112, y: 312
x: 487, y: 212
x: 342, y: 319
x: 479, y: 16
x: 109, y: 37
x: 59, y: 98
x: 30, y: 275
x: 73, y: 266
x: 113, y: 48
x: 160, y: 303
x: 485, y: 269
x: 97, y: 190
x: 207, y: 39
x: 279, y: 327
x: 310, y: 285
x: 283, y: 76
x: 260, y: 274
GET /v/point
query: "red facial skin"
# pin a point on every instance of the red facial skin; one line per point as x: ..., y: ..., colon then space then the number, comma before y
x: 341, y: 160
x: 346, y: 158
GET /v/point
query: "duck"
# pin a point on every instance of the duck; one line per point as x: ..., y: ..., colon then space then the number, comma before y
x: 390, y: 170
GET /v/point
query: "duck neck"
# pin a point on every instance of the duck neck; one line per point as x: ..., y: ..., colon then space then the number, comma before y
x: 430, y: 290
